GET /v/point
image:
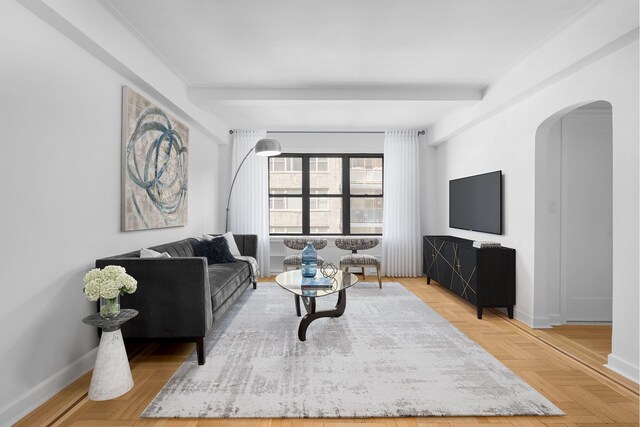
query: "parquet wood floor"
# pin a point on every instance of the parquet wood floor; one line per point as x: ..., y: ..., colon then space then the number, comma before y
x: 565, y: 366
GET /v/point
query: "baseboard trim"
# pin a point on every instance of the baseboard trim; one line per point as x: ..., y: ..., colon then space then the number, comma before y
x: 15, y: 410
x: 541, y: 323
x: 623, y: 368
x: 529, y: 320
x: 522, y: 316
x: 555, y: 319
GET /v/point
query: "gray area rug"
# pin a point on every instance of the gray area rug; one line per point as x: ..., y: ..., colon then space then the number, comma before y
x: 389, y: 355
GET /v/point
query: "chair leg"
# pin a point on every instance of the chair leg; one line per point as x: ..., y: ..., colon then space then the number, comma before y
x: 364, y: 279
x: 378, y: 272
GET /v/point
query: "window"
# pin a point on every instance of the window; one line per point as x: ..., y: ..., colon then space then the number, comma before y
x: 284, y: 164
x: 325, y: 194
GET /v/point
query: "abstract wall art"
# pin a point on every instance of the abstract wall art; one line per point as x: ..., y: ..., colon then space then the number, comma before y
x: 155, y: 166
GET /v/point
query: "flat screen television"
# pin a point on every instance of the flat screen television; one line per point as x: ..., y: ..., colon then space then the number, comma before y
x: 475, y: 203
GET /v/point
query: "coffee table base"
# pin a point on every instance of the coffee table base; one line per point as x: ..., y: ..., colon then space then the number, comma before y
x: 312, y: 314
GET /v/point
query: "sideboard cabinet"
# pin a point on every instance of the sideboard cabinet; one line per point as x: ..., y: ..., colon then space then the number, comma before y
x: 485, y: 277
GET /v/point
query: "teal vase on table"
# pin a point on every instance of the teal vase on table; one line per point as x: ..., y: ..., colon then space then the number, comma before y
x: 309, y: 261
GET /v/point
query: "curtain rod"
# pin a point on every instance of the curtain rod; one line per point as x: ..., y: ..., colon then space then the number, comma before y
x: 420, y: 132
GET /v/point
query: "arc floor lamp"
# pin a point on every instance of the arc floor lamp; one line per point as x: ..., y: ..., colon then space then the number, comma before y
x: 266, y: 148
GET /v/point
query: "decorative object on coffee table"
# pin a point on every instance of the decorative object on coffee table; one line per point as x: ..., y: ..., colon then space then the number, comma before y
x: 111, y: 375
x: 311, y: 288
x: 309, y: 265
x: 107, y: 285
x: 295, y: 261
x: 329, y: 270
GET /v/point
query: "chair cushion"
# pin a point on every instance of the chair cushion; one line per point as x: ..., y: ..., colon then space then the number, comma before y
x: 297, y: 260
x: 359, y: 259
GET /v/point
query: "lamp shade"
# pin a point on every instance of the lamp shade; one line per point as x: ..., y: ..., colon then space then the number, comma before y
x: 268, y: 147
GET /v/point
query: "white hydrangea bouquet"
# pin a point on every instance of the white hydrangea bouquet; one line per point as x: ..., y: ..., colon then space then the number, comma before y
x: 107, y: 285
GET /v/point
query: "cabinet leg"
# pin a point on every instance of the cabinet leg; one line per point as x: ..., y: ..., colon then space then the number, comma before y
x: 510, y: 311
x: 479, y: 312
x: 428, y: 280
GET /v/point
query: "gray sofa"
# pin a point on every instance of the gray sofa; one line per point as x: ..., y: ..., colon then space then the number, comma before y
x: 181, y: 298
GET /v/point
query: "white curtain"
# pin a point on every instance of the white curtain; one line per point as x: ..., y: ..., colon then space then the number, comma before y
x: 249, y: 207
x: 401, y: 240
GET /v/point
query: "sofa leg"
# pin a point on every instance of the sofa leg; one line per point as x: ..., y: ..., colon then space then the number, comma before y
x: 200, y: 350
x: 255, y: 285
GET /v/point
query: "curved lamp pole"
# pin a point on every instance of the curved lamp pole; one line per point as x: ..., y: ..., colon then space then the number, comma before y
x: 266, y: 148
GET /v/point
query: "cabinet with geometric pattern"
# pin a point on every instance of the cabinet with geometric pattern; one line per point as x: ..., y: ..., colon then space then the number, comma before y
x: 485, y: 277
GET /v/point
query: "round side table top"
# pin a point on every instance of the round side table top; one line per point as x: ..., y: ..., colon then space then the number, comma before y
x: 110, y: 324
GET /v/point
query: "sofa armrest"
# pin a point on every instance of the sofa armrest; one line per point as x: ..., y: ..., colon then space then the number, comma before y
x: 173, y: 296
x: 247, y: 244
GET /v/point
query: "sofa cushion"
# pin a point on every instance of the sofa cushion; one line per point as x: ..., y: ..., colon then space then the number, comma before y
x: 216, y: 251
x: 181, y: 248
x: 231, y: 241
x: 150, y: 253
x: 224, y: 279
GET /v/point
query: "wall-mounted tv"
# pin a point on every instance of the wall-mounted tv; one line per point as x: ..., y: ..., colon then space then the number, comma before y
x: 475, y: 203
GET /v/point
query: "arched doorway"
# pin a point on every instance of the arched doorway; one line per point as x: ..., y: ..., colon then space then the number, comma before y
x: 573, y: 221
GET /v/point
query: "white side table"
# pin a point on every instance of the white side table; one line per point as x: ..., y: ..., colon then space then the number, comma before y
x: 111, y: 375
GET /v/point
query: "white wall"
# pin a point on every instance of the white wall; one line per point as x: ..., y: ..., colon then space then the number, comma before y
x: 548, y: 219
x: 429, y: 203
x: 586, y: 211
x: 506, y: 140
x: 61, y: 115
x: 330, y: 142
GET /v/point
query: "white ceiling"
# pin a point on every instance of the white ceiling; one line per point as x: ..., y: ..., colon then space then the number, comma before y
x: 332, y: 56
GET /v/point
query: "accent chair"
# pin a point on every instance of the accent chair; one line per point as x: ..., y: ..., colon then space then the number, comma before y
x: 359, y: 260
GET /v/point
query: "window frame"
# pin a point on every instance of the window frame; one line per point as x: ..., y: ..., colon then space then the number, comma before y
x: 346, y: 191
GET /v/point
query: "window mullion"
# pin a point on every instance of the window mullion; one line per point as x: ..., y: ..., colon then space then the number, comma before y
x: 306, y: 184
x: 346, y: 202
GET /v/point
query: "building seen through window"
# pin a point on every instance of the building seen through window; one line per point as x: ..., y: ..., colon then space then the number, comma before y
x: 325, y: 194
